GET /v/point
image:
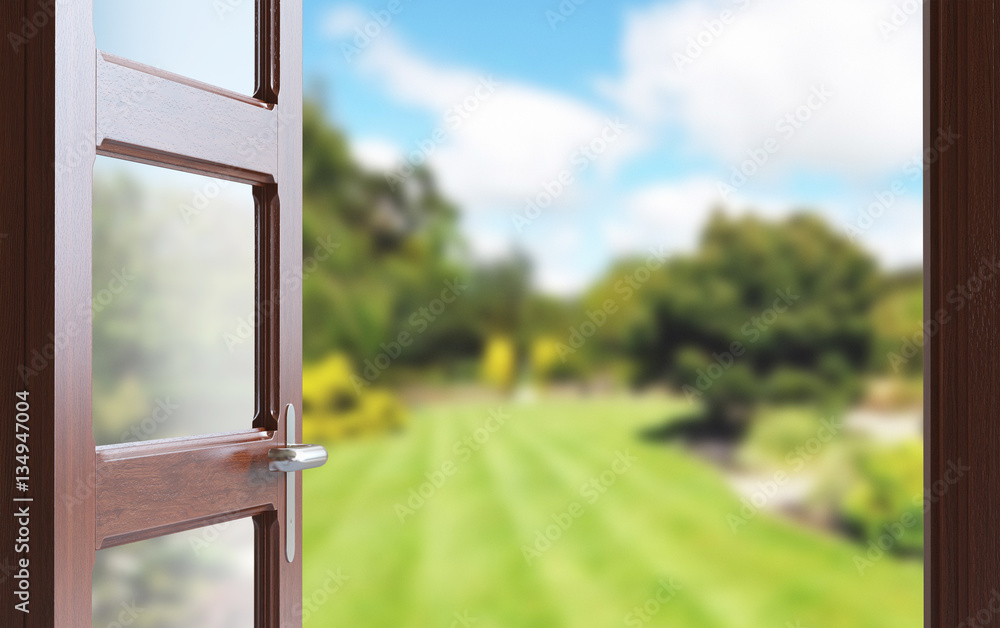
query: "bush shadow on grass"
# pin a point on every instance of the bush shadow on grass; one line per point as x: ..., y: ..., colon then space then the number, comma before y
x: 703, y: 433
x: 695, y: 427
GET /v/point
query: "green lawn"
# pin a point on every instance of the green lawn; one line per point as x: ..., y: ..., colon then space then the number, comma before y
x: 461, y: 555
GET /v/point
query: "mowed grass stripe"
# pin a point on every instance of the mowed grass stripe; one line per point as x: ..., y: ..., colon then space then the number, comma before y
x: 434, y: 596
x: 601, y: 577
x: 666, y: 517
x: 365, y: 538
x: 750, y: 571
x: 469, y: 572
x: 614, y: 566
x: 505, y: 464
x: 519, y: 596
x: 361, y: 458
x: 663, y: 536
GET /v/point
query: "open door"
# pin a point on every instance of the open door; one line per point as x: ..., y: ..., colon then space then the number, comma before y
x: 84, y: 499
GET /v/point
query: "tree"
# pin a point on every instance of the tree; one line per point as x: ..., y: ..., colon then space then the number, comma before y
x: 763, y: 310
x: 394, y: 243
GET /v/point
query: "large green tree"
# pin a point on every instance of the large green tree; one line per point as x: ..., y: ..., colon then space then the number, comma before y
x: 376, y: 248
x: 763, y: 310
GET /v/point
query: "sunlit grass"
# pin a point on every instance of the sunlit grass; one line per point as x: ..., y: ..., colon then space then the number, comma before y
x: 462, y: 553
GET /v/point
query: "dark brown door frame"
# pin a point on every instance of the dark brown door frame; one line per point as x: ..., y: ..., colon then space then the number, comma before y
x: 59, y: 113
x: 962, y: 312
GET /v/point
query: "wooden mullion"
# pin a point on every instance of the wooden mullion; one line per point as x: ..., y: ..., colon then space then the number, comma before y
x: 267, y: 62
x: 268, y: 304
x: 269, y: 526
x: 267, y: 567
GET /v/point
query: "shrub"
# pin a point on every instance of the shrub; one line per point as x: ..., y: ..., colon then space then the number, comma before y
x: 775, y: 434
x: 335, y: 409
x: 793, y: 385
x: 885, y: 496
x: 499, y: 364
x: 545, y: 358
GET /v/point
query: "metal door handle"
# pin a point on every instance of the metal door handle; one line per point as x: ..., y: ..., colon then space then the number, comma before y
x: 296, y: 457
x: 289, y: 459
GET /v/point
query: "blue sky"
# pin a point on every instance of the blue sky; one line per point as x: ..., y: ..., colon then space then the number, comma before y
x: 689, y: 124
x: 675, y: 94
x: 508, y: 39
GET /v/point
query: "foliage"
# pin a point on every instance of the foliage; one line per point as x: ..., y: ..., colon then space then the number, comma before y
x: 621, y: 288
x: 499, y: 366
x: 394, y: 245
x: 397, y: 247
x: 897, y: 317
x: 762, y: 311
x: 773, y: 438
x: 871, y: 488
x: 886, y: 495
x: 544, y: 358
x: 335, y: 407
x: 673, y: 320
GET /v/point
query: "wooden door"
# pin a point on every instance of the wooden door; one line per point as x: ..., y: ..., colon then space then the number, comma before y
x: 86, y: 499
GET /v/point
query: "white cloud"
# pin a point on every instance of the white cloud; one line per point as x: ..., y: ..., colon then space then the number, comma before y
x: 487, y: 245
x: 412, y: 79
x: 763, y: 64
x: 895, y: 237
x: 669, y: 215
x: 560, y: 266
x: 375, y: 154
x: 500, y: 146
x: 672, y: 215
x: 341, y: 20
x: 561, y: 281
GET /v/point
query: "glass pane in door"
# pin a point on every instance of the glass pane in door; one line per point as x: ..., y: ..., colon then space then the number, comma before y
x: 173, y: 304
x: 208, y: 40
x: 200, y: 578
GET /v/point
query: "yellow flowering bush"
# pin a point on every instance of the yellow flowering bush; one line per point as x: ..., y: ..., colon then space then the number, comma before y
x: 499, y: 366
x: 338, y: 405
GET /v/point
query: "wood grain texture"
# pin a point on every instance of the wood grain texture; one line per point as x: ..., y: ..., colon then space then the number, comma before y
x: 156, y: 117
x: 12, y: 287
x: 287, y: 84
x: 67, y: 109
x: 269, y: 527
x: 269, y: 566
x: 156, y: 488
x: 962, y: 200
